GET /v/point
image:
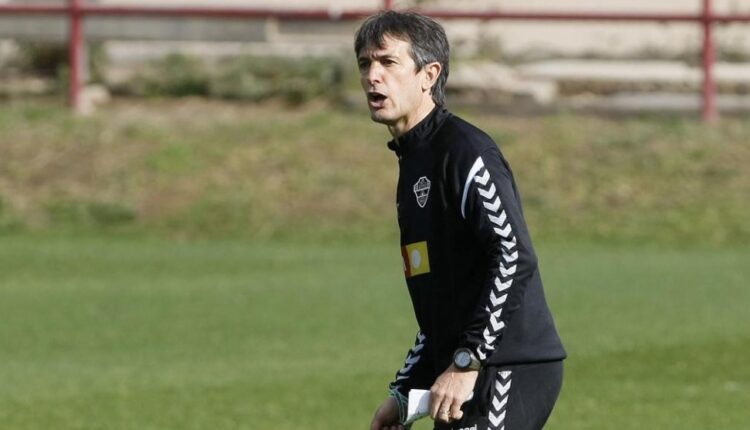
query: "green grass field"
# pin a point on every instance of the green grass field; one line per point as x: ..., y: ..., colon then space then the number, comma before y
x: 168, y: 264
x: 128, y: 333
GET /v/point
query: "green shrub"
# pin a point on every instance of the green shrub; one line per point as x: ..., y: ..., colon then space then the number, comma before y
x: 50, y: 59
x: 250, y: 78
x: 75, y: 213
x: 8, y: 220
x: 294, y: 80
x: 42, y: 58
x: 175, y: 75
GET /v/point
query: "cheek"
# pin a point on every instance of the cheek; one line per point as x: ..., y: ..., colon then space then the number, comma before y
x: 413, y: 92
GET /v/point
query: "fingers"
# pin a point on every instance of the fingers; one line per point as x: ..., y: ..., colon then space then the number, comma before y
x: 444, y: 406
x: 437, y: 395
x: 377, y: 425
x: 450, y: 410
x: 455, y: 412
x: 377, y: 422
x: 445, y: 416
x: 386, y: 417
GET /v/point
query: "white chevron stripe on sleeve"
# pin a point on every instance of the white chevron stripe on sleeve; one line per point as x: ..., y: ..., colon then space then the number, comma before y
x: 510, y: 258
x: 478, y: 165
x: 505, y: 272
x: 501, y: 388
x: 490, y: 197
x: 496, y: 420
x: 502, y: 286
x: 510, y: 243
x: 412, y: 360
x: 484, y: 178
x: 498, y: 220
x: 498, y: 404
x: 488, y: 337
x: 494, y: 206
x: 496, y: 325
x: 488, y: 193
x: 412, y: 357
x: 406, y: 369
x: 505, y: 232
x: 497, y: 301
x: 486, y: 333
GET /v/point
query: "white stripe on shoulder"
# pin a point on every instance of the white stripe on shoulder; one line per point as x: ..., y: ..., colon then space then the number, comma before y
x: 478, y: 165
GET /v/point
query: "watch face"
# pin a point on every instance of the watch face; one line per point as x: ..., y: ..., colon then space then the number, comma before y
x: 463, y: 359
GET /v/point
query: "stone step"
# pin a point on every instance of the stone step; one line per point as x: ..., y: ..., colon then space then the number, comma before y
x: 645, y: 72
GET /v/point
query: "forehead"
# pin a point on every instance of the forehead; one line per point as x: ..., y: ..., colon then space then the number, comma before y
x: 391, y: 46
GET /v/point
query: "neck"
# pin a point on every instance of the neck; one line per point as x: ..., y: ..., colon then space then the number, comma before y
x: 403, y: 125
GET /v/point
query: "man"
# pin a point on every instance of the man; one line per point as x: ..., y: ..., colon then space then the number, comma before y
x: 485, y: 329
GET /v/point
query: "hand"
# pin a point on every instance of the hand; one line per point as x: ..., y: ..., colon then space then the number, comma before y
x: 450, y: 391
x: 386, y: 417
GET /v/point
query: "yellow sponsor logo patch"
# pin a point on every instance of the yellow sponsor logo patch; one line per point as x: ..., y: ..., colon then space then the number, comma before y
x: 416, y: 259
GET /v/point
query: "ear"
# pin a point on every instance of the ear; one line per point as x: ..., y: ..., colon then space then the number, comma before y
x: 431, y: 74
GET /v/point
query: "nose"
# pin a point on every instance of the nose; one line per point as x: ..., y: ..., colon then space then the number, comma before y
x: 374, y: 73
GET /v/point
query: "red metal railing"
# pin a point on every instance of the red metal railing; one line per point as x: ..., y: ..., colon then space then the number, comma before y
x: 710, y: 112
x: 77, y: 10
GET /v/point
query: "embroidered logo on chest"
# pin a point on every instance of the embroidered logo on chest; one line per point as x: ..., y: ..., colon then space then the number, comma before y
x: 422, y: 191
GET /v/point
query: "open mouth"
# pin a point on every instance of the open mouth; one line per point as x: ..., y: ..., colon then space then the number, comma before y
x: 376, y: 99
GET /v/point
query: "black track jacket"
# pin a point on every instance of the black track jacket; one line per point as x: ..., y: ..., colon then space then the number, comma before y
x: 469, y: 264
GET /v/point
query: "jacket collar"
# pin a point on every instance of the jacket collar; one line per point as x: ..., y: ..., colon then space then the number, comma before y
x: 420, y: 133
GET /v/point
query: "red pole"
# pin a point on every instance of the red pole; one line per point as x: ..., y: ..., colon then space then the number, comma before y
x: 75, y: 53
x: 709, y: 57
x: 388, y: 4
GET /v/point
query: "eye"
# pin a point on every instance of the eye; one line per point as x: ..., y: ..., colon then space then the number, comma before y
x: 363, y: 65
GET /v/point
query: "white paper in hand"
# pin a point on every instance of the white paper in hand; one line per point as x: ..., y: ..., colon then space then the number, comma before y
x: 419, y: 405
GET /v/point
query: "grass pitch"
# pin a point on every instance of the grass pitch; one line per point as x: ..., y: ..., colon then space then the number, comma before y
x: 124, y: 333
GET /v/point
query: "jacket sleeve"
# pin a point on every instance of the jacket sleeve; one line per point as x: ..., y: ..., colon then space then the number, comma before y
x: 416, y: 372
x: 491, y: 209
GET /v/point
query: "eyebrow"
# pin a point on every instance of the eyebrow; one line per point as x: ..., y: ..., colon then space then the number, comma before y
x: 376, y: 57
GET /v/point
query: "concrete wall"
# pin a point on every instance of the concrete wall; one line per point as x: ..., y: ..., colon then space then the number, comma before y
x: 605, y: 38
x: 516, y: 38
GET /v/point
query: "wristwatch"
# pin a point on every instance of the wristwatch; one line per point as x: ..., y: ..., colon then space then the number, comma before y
x: 464, y: 359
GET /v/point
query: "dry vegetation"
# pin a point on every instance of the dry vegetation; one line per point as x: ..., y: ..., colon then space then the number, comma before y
x: 191, y: 167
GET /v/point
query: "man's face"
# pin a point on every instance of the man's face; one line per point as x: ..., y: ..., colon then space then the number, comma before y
x: 393, y: 85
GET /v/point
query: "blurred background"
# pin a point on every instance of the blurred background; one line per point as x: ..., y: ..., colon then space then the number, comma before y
x: 197, y: 218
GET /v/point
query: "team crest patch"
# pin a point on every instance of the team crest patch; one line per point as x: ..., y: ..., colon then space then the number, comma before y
x: 422, y: 191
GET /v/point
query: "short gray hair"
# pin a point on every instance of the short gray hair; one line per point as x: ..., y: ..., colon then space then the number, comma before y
x: 427, y: 38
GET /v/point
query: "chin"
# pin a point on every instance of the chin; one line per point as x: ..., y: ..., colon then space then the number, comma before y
x: 381, y: 118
